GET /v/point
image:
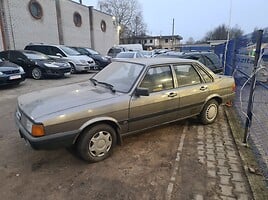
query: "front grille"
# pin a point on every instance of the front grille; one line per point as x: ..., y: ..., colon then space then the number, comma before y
x: 15, y: 71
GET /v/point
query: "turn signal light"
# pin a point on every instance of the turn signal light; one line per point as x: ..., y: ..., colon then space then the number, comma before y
x: 233, y: 87
x: 38, y: 130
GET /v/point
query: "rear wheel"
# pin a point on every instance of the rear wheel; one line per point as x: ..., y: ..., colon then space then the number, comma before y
x: 209, y: 112
x: 96, y: 143
x: 37, y: 73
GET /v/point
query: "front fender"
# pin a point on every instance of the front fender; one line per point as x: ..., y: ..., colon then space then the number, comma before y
x: 109, y: 120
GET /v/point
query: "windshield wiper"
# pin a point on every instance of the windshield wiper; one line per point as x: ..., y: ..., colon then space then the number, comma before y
x: 110, y: 86
x: 94, y: 81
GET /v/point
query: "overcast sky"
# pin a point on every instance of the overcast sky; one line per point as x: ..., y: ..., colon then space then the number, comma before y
x: 194, y: 18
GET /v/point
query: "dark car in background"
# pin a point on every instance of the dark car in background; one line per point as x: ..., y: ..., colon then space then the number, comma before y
x: 37, y: 65
x: 10, y: 73
x: 114, y: 51
x: 209, y: 59
x: 101, y: 61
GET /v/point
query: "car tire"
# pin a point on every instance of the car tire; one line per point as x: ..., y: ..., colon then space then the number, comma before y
x: 209, y: 112
x: 37, y: 73
x: 96, y: 143
x: 73, y: 70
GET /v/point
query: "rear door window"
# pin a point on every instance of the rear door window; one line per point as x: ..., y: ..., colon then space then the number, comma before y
x: 186, y: 75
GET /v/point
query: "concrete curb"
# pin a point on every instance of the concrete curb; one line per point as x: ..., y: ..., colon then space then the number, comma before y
x: 256, y: 180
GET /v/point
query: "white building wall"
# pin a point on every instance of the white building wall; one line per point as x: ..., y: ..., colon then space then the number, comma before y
x: 1, y: 41
x: 73, y: 35
x: 103, y: 41
x: 23, y: 28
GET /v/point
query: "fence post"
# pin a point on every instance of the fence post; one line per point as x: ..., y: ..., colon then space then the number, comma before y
x: 252, y: 85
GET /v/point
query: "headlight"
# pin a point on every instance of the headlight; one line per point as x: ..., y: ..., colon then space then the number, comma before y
x: 21, y: 69
x: 51, y: 65
x: 1, y: 73
x: 103, y: 58
x: 83, y: 61
x: 29, y: 125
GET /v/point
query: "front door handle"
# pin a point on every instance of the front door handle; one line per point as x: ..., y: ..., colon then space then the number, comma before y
x: 172, y: 94
x: 203, y: 88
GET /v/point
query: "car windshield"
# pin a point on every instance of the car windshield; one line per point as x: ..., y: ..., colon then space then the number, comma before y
x: 69, y: 51
x: 93, y: 52
x: 36, y: 56
x: 121, y: 75
x: 125, y: 55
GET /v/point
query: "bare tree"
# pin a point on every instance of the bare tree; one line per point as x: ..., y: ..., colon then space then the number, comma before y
x: 221, y: 33
x: 190, y: 40
x: 128, y: 15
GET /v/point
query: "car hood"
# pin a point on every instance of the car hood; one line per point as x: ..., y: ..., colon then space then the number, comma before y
x: 80, y: 57
x: 8, y: 65
x: 58, y: 62
x: 45, y: 102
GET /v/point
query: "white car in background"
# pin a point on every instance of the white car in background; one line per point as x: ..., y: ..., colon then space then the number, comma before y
x: 128, y: 54
x: 78, y: 62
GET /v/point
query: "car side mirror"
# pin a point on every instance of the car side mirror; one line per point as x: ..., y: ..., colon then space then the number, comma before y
x: 142, y: 91
x: 59, y: 55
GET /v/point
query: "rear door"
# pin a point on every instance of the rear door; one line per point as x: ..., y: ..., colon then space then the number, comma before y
x: 192, y: 90
x: 162, y: 103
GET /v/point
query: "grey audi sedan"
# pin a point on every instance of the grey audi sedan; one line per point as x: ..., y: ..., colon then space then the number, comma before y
x: 125, y: 97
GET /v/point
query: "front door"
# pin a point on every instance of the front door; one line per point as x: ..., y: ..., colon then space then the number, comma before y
x: 162, y: 103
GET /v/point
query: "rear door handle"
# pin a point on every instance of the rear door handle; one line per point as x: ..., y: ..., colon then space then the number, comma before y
x: 172, y: 94
x: 204, y: 87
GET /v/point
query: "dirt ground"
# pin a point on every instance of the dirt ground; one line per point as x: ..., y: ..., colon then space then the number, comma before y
x: 139, y: 169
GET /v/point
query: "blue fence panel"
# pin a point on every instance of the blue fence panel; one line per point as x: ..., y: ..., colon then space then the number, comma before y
x: 239, y: 62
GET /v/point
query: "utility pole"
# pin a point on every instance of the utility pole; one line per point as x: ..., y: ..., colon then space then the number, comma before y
x: 173, y: 33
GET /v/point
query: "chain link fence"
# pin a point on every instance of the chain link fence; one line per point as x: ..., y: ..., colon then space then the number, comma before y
x: 238, y: 59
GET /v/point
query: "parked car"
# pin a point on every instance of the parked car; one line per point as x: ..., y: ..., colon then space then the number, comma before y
x: 114, y: 51
x: 78, y: 62
x: 100, y: 60
x: 210, y: 59
x: 123, y: 98
x: 37, y: 65
x: 10, y: 73
x: 128, y: 54
x: 147, y: 54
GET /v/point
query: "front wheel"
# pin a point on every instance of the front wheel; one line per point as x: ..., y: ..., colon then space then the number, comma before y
x: 209, y: 112
x: 73, y: 70
x: 96, y: 143
x: 37, y: 73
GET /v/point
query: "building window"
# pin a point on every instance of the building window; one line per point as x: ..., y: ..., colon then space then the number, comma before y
x: 35, y: 9
x: 166, y: 40
x: 151, y: 41
x: 145, y: 41
x: 77, y: 19
x: 103, y: 26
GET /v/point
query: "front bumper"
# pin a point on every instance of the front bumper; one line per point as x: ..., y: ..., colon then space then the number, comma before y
x: 52, y: 141
x: 60, y: 71
x: 12, y: 79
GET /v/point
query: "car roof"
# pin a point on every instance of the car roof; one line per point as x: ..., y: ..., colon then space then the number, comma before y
x: 157, y: 60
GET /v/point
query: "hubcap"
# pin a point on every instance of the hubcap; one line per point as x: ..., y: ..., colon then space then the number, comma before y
x: 100, y: 144
x: 211, y: 112
x: 36, y: 74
